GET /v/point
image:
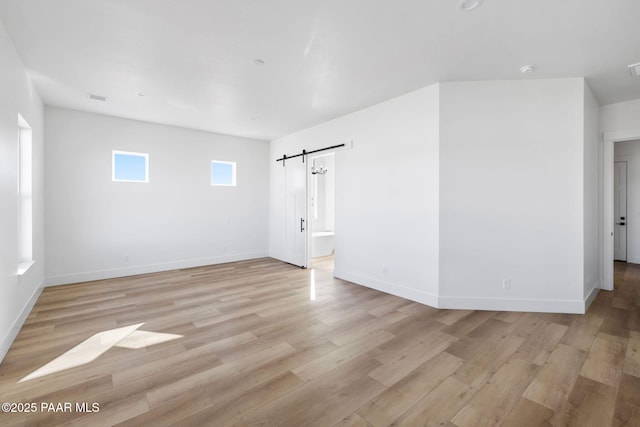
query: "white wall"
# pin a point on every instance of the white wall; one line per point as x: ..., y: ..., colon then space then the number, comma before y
x: 620, y: 116
x: 511, y: 194
x: 17, y: 96
x: 386, y: 193
x: 96, y: 228
x: 629, y: 151
x: 592, y: 182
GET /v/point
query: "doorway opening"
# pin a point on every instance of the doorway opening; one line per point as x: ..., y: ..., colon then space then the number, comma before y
x: 321, y: 210
x: 609, y: 218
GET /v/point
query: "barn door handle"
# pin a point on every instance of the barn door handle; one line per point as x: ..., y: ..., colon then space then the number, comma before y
x: 301, y: 225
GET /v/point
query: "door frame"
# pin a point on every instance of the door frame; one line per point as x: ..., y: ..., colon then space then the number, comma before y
x: 608, y: 141
x: 616, y: 219
x: 309, y: 230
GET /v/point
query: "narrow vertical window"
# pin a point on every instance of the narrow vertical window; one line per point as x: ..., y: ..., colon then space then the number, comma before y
x: 130, y: 167
x: 25, y: 196
x: 223, y: 173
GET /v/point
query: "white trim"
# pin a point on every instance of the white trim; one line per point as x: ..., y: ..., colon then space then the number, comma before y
x: 11, y: 335
x: 592, y: 295
x: 608, y: 140
x: 389, y: 288
x: 129, y: 153
x: 23, y: 267
x: 512, y: 304
x: 472, y: 303
x: 88, y: 276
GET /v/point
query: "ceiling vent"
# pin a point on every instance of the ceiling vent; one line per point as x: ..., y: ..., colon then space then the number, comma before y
x: 634, y: 69
x: 97, y: 97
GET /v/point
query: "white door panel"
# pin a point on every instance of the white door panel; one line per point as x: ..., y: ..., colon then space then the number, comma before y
x: 295, y: 212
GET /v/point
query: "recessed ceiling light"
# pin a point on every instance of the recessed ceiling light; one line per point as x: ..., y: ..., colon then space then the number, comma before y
x: 469, y: 4
x: 258, y: 62
x: 634, y: 69
x: 525, y: 69
x: 97, y: 97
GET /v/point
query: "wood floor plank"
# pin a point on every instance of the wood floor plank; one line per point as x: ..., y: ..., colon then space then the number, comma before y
x: 226, y: 411
x: 528, y: 413
x: 396, y: 369
x: 540, y: 343
x: 353, y: 420
x: 361, y: 330
x: 341, y: 355
x: 553, y: 384
x: 582, y: 333
x: 466, y: 324
x: 439, y: 405
x: 632, y: 358
x: 590, y: 403
x: 338, y: 405
x: 279, y: 411
x: 172, y: 391
x: 627, y: 409
x: 394, y: 401
x: 605, y: 360
x: 493, y: 402
x: 206, y: 352
x: 478, y: 369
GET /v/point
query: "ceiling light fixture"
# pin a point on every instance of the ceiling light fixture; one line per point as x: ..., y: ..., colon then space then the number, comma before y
x: 634, y: 69
x: 139, y: 93
x: 258, y: 62
x: 526, y: 69
x: 469, y: 4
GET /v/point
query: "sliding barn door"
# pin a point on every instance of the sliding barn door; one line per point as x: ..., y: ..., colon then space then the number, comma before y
x: 295, y: 227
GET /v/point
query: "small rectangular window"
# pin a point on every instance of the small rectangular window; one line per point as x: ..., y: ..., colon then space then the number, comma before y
x: 223, y: 173
x: 25, y: 200
x: 130, y: 167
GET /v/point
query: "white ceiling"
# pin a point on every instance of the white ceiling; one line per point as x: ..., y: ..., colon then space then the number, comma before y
x: 193, y: 59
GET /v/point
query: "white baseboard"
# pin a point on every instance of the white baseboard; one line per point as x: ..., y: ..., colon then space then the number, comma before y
x: 6, y: 342
x: 592, y: 295
x: 389, y: 288
x: 512, y: 304
x: 470, y: 303
x: 89, y: 276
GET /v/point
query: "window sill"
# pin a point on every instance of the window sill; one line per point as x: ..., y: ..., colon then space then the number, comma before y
x: 24, y: 267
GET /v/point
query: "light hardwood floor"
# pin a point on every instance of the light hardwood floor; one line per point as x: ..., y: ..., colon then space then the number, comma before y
x: 255, y: 349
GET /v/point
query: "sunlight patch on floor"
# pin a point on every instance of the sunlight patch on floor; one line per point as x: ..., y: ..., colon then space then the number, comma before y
x: 140, y: 339
x: 98, y: 344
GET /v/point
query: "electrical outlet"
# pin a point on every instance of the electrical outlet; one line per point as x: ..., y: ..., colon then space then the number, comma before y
x: 506, y: 284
